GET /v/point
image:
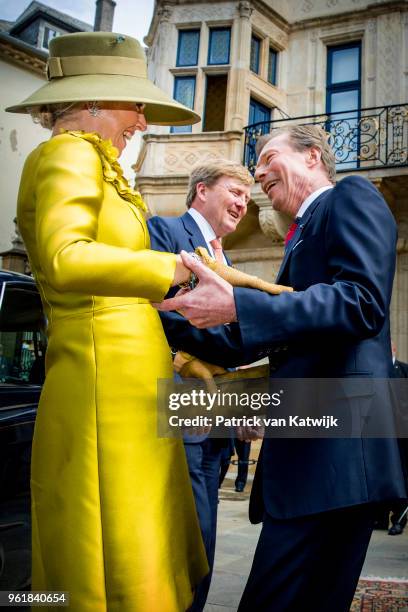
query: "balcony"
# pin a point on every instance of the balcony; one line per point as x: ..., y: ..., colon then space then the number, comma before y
x: 362, y: 139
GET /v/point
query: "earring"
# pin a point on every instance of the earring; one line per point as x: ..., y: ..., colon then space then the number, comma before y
x: 93, y: 108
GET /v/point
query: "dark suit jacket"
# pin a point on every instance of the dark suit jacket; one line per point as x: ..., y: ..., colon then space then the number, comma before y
x: 341, y: 263
x: 400, y: 369
x: 220, y: 345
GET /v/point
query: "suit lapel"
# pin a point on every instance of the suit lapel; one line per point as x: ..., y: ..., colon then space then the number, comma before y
x: 298, y: 233
x: 195, y: 236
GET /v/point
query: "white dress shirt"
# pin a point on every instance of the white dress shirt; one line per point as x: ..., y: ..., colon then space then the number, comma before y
x: 311, y: 199
x: 206, y: 230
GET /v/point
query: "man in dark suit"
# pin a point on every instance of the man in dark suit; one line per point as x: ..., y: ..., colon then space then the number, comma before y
x: 218, y: 194
x: 399, y: 509
x: 316, y: 497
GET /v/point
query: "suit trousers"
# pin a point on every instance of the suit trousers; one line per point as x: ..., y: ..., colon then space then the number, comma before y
x: 203, y: 460
x: 309, y: 563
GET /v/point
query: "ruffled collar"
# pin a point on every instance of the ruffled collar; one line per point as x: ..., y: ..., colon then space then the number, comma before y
x: 112, y: 170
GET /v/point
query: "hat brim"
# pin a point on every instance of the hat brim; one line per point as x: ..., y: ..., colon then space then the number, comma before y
x: 160, y: 108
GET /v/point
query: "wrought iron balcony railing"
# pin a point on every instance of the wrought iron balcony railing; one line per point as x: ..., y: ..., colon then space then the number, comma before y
x: 362, y: 139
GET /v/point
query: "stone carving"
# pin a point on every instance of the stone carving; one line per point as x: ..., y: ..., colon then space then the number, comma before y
x: 164, y: 12
x: 268, y: 225
x: 273, y: 224
x: 191, y: 159
x: 245, y: 9
x: 181, y: 161
x: 307, y: 6
x: 204, y: 13
x: 16, y: 239
x: 170, y: 160
x: 35, y: 64
x: 372, y: 25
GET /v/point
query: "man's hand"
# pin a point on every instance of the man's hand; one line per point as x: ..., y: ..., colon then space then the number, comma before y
x: 210, y: 303
x: 248, y: 434
x: 189, y: 366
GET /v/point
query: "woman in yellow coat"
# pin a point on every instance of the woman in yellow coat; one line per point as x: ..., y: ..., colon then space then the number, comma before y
x: 113, y: 516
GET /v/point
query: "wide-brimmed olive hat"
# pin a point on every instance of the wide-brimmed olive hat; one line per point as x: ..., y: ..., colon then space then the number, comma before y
x: 89, y: 66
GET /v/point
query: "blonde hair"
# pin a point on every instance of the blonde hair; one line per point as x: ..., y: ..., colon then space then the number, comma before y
x: 47, y: 114
x: 303, y: 137
x: 209, y: 173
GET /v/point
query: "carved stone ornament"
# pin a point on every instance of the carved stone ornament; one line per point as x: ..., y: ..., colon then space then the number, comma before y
x: 268, y: 225
x: 245, y: 9
x: 164, y: 12
x: 307, y: 6
x: 16, y: 239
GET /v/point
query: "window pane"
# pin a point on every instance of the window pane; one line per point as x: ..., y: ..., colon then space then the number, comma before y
x: 219, y: 48
x: 48, y: 35
x: 184, y: 90
x: 255, y: 50
x: 344, y: 101
x: 187, y: 54
x: 215, y: 101
x: 345, y: 65
x: 272, y: 66
x: 259, y: 112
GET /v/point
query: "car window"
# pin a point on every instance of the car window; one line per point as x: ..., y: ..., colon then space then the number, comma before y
x: 22, y: 334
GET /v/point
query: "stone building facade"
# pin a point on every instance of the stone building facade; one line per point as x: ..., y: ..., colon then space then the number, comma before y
x: 238, y: 63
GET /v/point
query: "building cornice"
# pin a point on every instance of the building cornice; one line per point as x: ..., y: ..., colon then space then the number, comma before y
x: 371, y: 11
x: 269, y: 12
x: 259, y: 5
x: 22, y: 54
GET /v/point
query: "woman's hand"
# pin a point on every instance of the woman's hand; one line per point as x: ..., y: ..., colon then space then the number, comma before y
x: 182, y: 273
x: 210, y: 303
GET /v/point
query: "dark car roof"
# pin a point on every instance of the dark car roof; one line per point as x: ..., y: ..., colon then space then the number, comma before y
x: 6, y: 276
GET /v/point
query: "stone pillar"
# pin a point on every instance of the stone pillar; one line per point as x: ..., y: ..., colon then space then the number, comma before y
x: 161, y: 56
x: 166, y: 40
x: 404, y: 51
x: 389, y: 41
x: 312, y: 76
x: 371, y: 62
x: 237, y: 111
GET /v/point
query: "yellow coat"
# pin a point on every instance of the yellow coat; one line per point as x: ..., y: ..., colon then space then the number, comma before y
x: 114, y: 521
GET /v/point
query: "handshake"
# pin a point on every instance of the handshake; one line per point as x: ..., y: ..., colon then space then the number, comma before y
x: 189, y: 366
x: 212, y: 303
x: 236, y: 277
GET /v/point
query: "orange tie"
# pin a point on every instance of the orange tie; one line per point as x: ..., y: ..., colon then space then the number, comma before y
x: 217, y: 248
